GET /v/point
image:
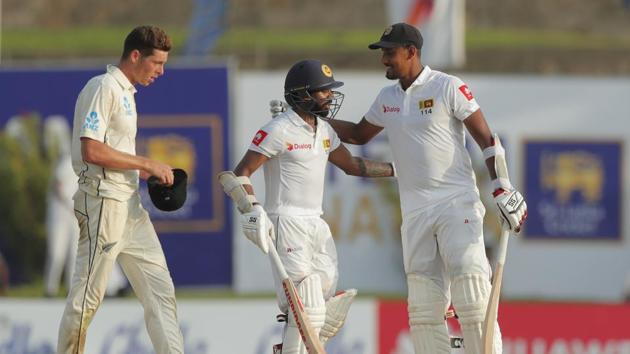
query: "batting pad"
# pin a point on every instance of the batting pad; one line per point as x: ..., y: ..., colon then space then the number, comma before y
x: 310, y: 292
x: 426, y: 305
x: 470, y: 298
x: 337, y: 308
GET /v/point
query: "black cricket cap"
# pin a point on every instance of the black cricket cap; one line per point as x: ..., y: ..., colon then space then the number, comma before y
x: 169, y: 198
x: 398, y: 35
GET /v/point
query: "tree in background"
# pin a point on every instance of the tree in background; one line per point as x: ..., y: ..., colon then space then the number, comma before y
x: 25, y: 173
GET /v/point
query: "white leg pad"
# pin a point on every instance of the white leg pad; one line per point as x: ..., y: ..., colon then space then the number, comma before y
x: 310, y: 291
x: 337, y: 308
x: 470, y: 298
x: 426, y: 305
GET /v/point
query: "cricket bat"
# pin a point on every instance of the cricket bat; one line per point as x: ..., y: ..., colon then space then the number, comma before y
x: 309, y: 337
x: 492, y: 311
x: 237, y: 193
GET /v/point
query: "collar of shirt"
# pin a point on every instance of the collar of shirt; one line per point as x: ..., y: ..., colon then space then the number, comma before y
x: 421, y: 79
x: 298, y: 121
x: 122, y: 80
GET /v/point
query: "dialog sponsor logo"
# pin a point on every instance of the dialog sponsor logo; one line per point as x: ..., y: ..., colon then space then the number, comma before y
x: 293, y: 147
x: 391, y: 109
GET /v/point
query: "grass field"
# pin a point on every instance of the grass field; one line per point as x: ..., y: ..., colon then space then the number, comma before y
x: 36, y: 290
x: 90, y: 42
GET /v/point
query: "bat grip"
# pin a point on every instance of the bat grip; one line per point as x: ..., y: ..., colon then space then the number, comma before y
x: 275, y: 259
x: 503, y: 243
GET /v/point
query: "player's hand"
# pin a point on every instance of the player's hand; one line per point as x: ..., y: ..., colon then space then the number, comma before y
x: 258, y: 227
x: 162, y: 171
x: 512, y: 208
x: 277, y: 107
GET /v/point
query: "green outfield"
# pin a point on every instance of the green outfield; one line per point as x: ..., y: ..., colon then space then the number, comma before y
x: 36, y: 290
x: 90, y: 42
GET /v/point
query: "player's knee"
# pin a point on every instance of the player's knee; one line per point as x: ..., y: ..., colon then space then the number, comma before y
x: 426, y: 302
x: 470, y: 296
x: 477, y: 264
x: 310, y: 291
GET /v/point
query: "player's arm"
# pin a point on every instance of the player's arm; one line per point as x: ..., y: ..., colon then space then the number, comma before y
x: 101, y: 154
x: 248, y: 165
x: 355, y: 133
x: 510, y: 202
x: 479, y: 130
x: 359, y: 166
x: 254, y: 220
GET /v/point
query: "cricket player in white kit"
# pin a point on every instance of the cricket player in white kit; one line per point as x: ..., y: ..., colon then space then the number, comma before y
x: 113, y: 223
x: 424, y: 115
x: 294, y: 148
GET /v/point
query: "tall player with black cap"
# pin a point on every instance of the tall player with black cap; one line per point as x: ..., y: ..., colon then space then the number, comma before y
x: 424, y: 114
x: 294, y: 148
x: 114, y: 226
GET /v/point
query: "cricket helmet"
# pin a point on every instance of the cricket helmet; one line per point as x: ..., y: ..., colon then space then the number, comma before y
x: 306, y: 77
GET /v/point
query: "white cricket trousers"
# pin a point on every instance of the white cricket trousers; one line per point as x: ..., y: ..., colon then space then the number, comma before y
x: 112, y: 229
x: 305, y: 246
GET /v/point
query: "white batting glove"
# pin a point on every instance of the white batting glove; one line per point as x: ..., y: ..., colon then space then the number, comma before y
x: 277, y: 107
x: 512, y: 208
x: 258, y: 227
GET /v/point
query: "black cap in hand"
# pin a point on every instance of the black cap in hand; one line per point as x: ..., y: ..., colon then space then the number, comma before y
x: 169, y: 198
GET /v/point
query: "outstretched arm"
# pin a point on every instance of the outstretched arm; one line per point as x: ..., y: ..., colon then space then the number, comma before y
x: 358, y: 166
x: 355, y: 133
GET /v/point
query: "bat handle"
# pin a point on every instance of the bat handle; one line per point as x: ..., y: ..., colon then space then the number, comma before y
x: 275, y: 259
x: 503, y: 243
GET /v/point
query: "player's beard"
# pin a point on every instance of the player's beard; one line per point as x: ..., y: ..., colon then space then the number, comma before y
x: 321, y: 110
x: 391, y: 74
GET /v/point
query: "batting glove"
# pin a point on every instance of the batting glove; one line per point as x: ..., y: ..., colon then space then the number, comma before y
x: 512, y: 208
x: 258, y: 227
x: 277, y: 107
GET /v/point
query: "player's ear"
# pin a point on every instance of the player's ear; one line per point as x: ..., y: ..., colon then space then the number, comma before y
x: 412, y: 51
x: 134, y: 56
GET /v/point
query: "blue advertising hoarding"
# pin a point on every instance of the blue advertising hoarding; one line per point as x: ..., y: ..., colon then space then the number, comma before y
x: 183, y: 120
x: 573, y: 190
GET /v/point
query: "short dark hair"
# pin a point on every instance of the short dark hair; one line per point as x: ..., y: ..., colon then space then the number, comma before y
x: 145, y: 39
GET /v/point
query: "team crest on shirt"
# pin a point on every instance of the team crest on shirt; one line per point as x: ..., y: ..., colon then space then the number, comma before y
x: 326, y: 143
x: 259, y: 137
x: 464, y: 89
x: 425, y: 106
x: 91, y: 122
x: 127, y: 106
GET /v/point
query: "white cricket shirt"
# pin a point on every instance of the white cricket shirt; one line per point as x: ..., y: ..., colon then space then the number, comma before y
x: 106, y: 111
x: 295, y: 173
x: 425, y: 129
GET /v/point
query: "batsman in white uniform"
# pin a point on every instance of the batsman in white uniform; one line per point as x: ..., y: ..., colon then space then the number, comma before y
x: 294, y: 148
x: 113, y: 223
x: 424, y: 115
